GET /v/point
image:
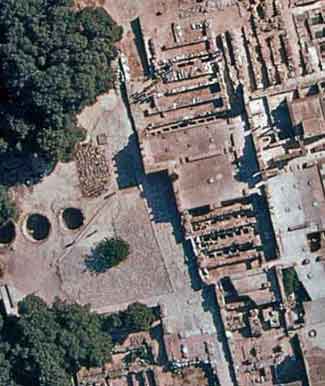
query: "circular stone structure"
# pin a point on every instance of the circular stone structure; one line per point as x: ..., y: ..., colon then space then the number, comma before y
x: 73, y: 218
x: 38, y: 226
x: 7, y: 233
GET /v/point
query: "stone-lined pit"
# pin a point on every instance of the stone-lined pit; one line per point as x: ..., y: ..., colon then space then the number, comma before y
x: 38, y: 226
x: 73, y: 218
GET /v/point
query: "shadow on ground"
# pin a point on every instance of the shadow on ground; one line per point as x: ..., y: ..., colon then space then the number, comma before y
x: 157, y: 334
x: 281, y: 118
x: 126, y: 163
x: 191, y: 262
x: 264, y: 224
x: 138, y: 39
x: 209, y: 304
x: 159, y: 195
x: 248, y: 167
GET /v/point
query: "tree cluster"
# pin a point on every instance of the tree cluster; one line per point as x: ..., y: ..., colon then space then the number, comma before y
x: 107, y: 253
x: 46, y: 346
x: 293, y: 286
x: 137, y: 317
x: 290, y: 281
x: 7, y: 206
x: 54, y: 60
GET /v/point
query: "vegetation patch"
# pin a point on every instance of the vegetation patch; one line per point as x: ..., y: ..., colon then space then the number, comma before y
x: 292, y: 284
x: 38, y: 226
x: 55, y: 60
x: 137, y: 317
x: 107, y: 254
x: 73, y: 218
x: 48, y: 345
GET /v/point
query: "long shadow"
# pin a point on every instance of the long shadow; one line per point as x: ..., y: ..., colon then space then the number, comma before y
x: 210, y: 304
x: 192, y: 266
x: 157, y: 190
x: 236, y: 102
x: 126, y: 162
x: 282, y: 120
x: 247, y: 163
x: 248, y: 166
x: 159, y: 194
x: 157, y: 334
x: 264, y: 225
x: 160, y: 197
x: 138, y: 39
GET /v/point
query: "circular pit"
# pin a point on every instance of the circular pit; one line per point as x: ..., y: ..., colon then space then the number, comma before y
x: 7, y: 233
x: 38, y: 226
x: 73, y: 218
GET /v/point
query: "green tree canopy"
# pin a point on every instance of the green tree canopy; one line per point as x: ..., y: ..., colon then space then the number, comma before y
x: 55, y: 60
x: 107, y: 253
x: 5, y: 371
x: 139, y: 317
x: 46, y: 345
x: 293, y: 286
x: 7, y: 206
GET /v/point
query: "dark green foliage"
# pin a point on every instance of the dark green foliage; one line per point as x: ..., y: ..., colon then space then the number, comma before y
x: 7, y: 206
x: 139, y: 317
x: 107, y: 254
x: 55, y: 60
x: 5, y: 371
x: 82, y: 337
x: 292, y: 285
x: 113, y: 322
x: 290, y: 281
x: 59, y: 144
x: 47, y: 345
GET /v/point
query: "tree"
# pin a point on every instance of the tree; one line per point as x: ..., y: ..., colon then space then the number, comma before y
x: 108, y: 253
x: 47, y: 345
x: 290, y: 281
x: 5, y: 371
x: 7, y: 206
x: 293, y: 286
x: 55, y: 60
x: 60, y: 144
x: 3, y: 146
x: 112, y: 322
x: 83, y: 337
x: 139, y: 317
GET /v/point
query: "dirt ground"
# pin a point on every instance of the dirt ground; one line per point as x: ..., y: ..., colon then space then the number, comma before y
x: 141, y: 276
x: 55, y: 267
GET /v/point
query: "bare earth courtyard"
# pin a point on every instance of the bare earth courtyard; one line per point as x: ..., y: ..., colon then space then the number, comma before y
x: 55, y: 266
x: 143, y: 274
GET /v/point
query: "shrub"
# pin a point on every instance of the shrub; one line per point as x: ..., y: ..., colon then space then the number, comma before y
x: 107, y: 253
